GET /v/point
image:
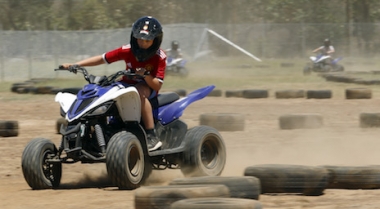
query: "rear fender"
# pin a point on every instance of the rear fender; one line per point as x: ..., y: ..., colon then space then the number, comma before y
x: 170, y: 112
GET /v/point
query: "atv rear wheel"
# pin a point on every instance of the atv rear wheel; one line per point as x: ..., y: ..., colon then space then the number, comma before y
x: 125, y: 161
x: 38, y: 173
x: 205, y: 154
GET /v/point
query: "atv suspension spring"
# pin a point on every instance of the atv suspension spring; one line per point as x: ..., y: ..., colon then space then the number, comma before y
x: 100, y: 138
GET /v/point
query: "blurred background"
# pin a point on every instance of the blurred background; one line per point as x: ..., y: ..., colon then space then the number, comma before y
x: 38, y: 35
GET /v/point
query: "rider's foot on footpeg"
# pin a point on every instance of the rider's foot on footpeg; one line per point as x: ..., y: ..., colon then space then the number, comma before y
x: 153, y: 143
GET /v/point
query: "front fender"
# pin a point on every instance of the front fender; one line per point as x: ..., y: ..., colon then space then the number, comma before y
x: 65, y: 100
x: 170, y: 112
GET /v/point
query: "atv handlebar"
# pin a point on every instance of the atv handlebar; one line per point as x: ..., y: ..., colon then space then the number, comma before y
x: 104, y: 80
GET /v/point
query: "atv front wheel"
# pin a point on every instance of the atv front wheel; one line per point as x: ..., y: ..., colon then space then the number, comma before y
x: 38, y: 173
x: 205, y: 154
x: 125, y: 161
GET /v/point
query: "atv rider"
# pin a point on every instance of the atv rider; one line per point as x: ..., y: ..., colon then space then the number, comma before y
x: 326, y: 49
x: 142, y: 56
x: 174, y: 52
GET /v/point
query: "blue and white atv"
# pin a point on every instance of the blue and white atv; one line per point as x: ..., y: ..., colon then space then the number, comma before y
x: 323, y: 63
x: 176, y: 67
x: 104, y: 126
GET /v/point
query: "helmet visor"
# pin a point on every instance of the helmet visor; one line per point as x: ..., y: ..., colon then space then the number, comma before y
x: 143, y: 34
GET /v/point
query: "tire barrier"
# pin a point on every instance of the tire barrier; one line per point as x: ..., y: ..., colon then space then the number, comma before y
x: 215, y: 93
x: 318, y: 94
x: 216, y: 203
x: 353, y: 177
x: 73, y: 90
x: 59, y: 123
x: 233, y: 93
x: 9, y: 128
x: 369, y: 120
x: 255, y: 93
x: 240, y: 186
x: 276, y: 178
x: 289, y: 94
x: 223, y: 121
x: 358, y: 93
x: 44, y: 90
x: 300, y: 121
x: 22, y: 88
x: 163, y: 196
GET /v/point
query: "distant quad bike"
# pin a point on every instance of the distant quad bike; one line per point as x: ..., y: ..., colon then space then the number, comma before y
x: 176, y: 67
x: 319, y: 64
x: 104, y: 126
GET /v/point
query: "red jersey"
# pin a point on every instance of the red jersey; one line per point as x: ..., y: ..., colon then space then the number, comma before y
x: 155, y: 65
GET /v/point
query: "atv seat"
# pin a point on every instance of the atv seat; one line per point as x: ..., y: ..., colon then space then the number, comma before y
x: 166, y: 98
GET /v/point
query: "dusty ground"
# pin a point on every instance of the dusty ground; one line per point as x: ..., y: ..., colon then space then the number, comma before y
x: 339, y: 142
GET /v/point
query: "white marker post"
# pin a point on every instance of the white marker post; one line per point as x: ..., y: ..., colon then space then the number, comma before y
x: 232, y: 44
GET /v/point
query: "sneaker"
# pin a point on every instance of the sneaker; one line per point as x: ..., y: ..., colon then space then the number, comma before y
x: 153, y: 143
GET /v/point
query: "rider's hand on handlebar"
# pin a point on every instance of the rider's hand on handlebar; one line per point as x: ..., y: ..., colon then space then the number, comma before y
x: 70, y: 67
x: 141, y: 71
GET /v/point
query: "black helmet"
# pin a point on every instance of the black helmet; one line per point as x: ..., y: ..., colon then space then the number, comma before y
x: 175, y: 45
x: 147, y: 28
x: 327, y: 42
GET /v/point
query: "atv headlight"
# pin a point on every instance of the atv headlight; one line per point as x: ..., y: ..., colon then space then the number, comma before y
x: 100, y: 110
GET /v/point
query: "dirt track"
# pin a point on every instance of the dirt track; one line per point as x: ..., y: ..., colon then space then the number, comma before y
x: 339, y: 142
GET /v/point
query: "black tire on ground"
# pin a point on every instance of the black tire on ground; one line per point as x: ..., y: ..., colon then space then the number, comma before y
x: 223, y: 121
x: 354, y: 177
x: 148, y: 197
x: 21, y: 87
x: 44, y: 90
x: 369, y: 120
x: 125, y: 161
x: 255, y: 93
x: 300, y: 121
x: 318, y: 94
x: 38, y: 173
x: 205, y: 153
x: 289, y: 94
x: 215, y: 93
x: 216, y: 203
x: 358, y: 93
x: 233, y: 93
x: 56, y: 90
x: 60, y: 121
x: 240, y: 186
x: 8, y: 132
x: 277, y: 178
x: 9, y: 128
